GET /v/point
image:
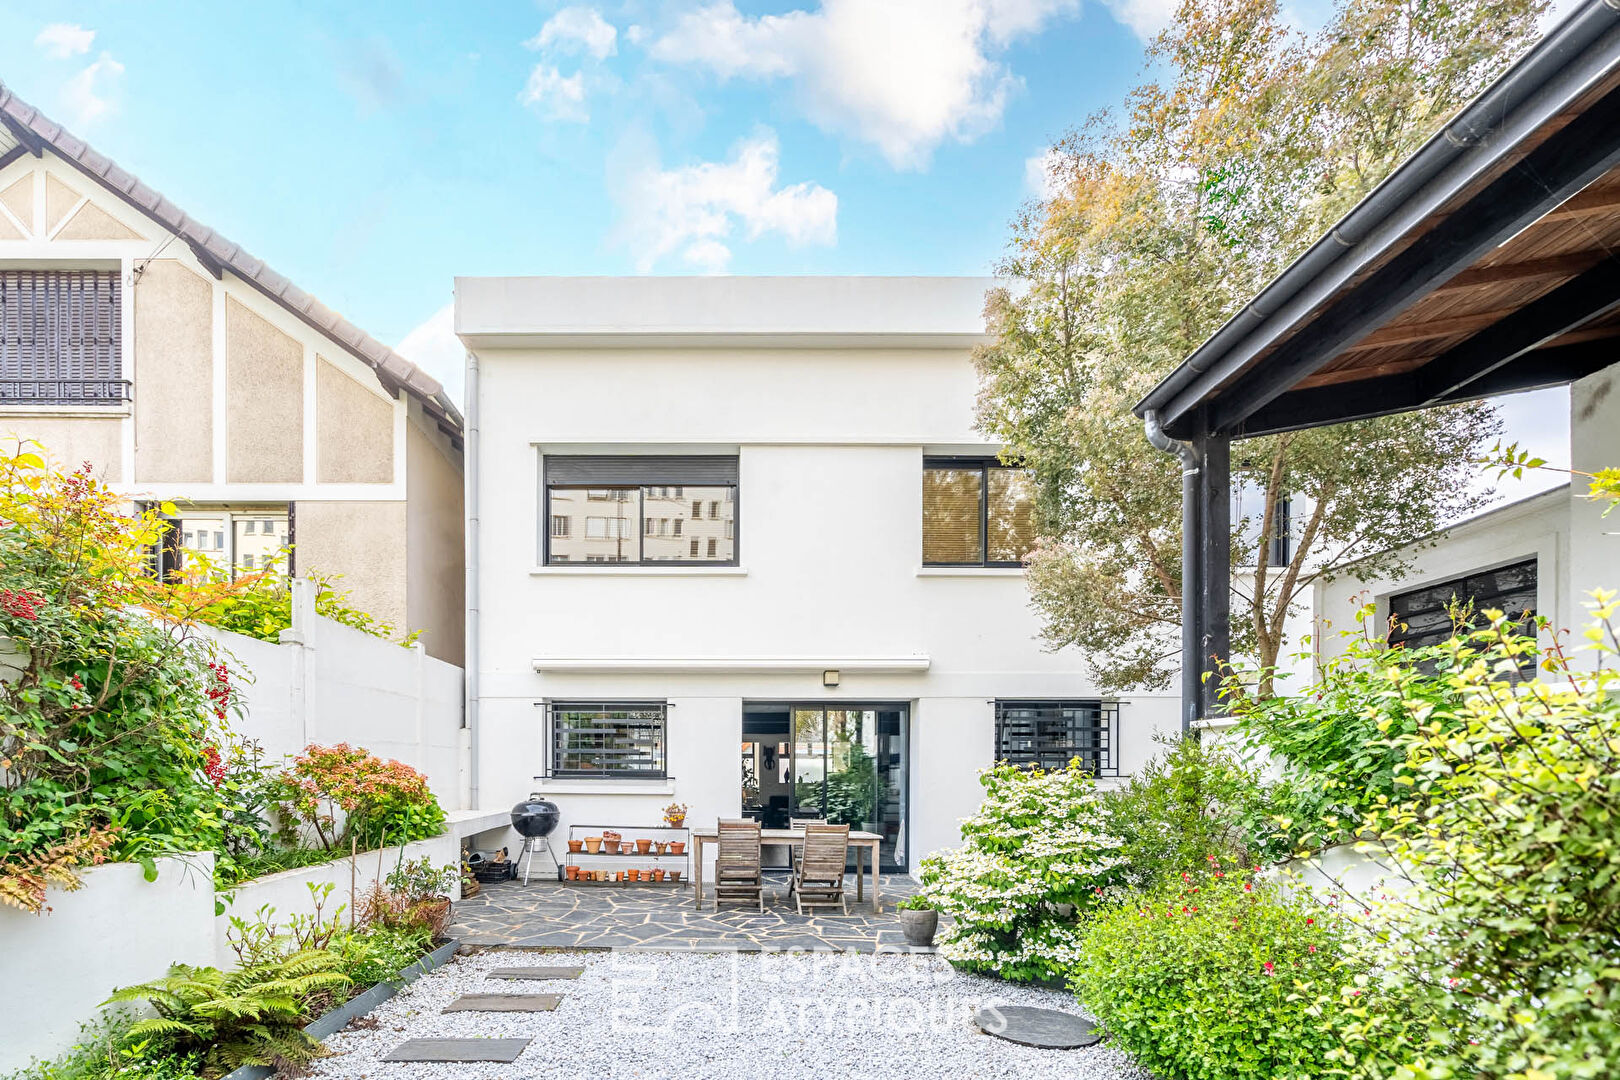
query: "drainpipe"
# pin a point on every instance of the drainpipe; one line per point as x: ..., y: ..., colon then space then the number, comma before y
x: 1191, y: 667
x: 472, y: 661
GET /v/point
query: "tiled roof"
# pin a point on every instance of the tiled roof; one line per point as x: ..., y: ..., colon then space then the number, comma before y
x: 26, y: 126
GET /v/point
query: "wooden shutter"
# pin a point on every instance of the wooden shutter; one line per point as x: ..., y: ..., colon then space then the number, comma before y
x: 61, y: 336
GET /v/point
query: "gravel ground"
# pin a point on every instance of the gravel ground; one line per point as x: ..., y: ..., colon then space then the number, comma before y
x: 709, y: 1016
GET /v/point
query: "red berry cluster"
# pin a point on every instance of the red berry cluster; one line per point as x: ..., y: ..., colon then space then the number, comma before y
x: 219, y: 692
x: 213, y: 765
x: 21, y: 603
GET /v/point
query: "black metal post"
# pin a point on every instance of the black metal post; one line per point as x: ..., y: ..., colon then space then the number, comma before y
x: 1214, y: 566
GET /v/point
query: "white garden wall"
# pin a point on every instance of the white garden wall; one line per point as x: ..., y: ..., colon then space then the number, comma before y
x: 328, y: 683
x: 289, y: 894
x: 56, y: 968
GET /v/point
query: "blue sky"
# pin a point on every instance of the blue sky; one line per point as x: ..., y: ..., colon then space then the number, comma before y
x: 374, y: 151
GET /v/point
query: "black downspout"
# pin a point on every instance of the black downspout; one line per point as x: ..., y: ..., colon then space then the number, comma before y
x: 1191, y: 632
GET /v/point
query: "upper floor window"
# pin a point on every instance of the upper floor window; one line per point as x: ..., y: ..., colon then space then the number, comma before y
x: 976, y: 512
x: 60, y: 337
x: 674, y: 509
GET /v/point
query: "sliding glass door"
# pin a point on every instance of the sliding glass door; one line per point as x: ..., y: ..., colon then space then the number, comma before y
x: 847, y: 765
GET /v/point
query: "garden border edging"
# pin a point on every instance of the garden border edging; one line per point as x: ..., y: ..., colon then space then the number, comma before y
x: 357, y: 1006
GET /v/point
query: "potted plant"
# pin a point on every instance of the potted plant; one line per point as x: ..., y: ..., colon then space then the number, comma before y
x: 675, y: 815
x: 421, y: 891
x: 918, y: 920
x: 469, y: 882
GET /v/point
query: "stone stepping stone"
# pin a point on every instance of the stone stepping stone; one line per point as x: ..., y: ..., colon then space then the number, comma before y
x: 536, y: 973
x: 504, y: 1003
x: 1045, y: 1029
x: 505, y: 1051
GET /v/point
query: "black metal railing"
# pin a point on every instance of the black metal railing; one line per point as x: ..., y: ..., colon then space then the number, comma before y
x: 64, y: 391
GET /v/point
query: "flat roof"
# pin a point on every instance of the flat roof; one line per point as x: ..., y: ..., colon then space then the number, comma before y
x: 548, y: 312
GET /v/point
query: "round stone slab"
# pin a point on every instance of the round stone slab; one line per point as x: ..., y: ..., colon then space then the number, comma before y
x: 1047, y: 1029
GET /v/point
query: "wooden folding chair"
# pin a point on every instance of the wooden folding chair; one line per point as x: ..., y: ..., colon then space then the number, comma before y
x: 818, y: 880
x: 737, y: 875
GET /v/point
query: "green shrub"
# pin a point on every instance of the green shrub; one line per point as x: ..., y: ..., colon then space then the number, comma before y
x: 384, y: 802
x: 104, y: 1053
x: 260, y: 605
x: 252, y: 1016
x: 1038, y: 854
x: 1190, y: 802
x: 1223, y: 976
x: 1508, y: 827
x: 111, y: 730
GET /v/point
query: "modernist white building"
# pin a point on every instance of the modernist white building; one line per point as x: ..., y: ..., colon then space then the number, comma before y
x: 737, y: 544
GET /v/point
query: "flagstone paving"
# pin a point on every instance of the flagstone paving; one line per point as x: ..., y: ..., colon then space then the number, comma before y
x: 552, y: 915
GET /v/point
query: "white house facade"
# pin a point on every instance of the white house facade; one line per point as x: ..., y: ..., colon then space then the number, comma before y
x: 1545, y: 554
x: 737, y: 544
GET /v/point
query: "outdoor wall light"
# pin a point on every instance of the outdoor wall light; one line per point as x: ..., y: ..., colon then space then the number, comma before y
x: 829, y: 677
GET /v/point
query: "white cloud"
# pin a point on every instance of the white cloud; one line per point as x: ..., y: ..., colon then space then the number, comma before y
x: 62, y: 40
x: 1144, y: 17
x: 903, y: 75
x: 1041, y: 178
x: 434, y: 347
x: 693, y: 209
x: 575, y: 28
x: 88, y: 95
x: 554, y: 96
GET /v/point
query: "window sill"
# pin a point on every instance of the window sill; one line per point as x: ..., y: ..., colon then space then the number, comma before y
x: 572, y: 786
x: 19, y: 408
x: 970, y: 571
x: 612, y: 570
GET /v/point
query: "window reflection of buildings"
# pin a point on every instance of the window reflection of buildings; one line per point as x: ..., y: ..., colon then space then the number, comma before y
x: 657, y: 523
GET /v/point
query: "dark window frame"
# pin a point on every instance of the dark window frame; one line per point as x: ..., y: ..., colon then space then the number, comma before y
x: 1401, y: 615
x: 554, y: 733
x: 983, y: 466
x: 1095, y: 740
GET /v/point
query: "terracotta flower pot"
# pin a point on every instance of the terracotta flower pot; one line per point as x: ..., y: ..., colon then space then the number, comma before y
x: 635, y: 875
x: 593, y: 844
x: 573, y: 873
x: 661, y: 847
x: 674, y: 875
x: 576, y: 846
x: 675, y: 821
x: 658, y: 875
x: 609, y: 837
x: 677, y: 847
x: 643, y: 846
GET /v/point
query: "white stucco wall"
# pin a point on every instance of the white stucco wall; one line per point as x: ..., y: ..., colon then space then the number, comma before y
x: 1594, y: 433
x: 830, y: 440
x: 119, y: 929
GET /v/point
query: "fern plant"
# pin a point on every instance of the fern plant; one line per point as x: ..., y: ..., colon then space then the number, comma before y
x: 247, y: 1017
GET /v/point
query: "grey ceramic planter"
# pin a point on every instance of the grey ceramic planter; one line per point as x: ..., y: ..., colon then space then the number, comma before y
x: 919, y: 926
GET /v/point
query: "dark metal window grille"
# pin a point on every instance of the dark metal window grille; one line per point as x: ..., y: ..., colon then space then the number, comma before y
x: 1424, y: 616
x: 1051, y: 734
x: 612, y: 739
x: 61, y: 337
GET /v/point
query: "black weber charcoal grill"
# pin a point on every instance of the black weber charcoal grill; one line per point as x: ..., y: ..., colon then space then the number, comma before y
x: 534, y: 818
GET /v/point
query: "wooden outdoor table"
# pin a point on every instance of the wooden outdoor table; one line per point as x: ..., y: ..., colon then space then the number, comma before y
x: 793, y: 838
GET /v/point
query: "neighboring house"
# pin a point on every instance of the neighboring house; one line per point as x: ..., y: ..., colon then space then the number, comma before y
x: 740, y: 546
x: 181, y: 368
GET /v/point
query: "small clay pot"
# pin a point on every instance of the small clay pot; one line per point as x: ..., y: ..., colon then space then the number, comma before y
x: 609, y: 837
x: 674, y: 875
x: 643, y: 846
x: 593, y: 844
x: 573, y: 873
x: 658, y: 875
x: 661, y: 847
x: 676, y: 821
x: 677, y: 847
x: 576, y: 846
x: 618, y: 875
x: 635, y: 875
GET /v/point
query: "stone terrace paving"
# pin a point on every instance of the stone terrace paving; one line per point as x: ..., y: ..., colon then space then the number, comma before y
x: 548, y: 914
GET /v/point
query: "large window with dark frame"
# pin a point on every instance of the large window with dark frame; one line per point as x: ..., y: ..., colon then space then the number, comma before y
x: 976, y: 512
x: 61, y: 337
x: 1424, y: 616
x: 640, y: 510
x: 608, y: 739
x: 1052, y: 734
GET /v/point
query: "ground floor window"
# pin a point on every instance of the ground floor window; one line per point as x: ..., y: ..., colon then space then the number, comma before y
x: 1051, y: 734
x: 846, y: 765
x: 1423, y: 616
x: 228, y: 539
x: 609, y: 739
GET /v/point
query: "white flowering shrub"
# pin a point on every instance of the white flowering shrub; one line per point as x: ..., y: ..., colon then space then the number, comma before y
x: 1037, y: 857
